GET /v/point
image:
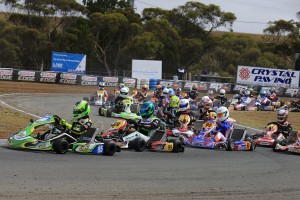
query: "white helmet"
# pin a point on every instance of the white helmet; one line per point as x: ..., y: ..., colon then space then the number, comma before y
x: 222, y: 92
x: 207, y: 102
x: 124, y: 90
x: 247, y: 93
x: 222, y: 113
x: 166, y: 91
x: 184, y: 104
x: 101, y: 85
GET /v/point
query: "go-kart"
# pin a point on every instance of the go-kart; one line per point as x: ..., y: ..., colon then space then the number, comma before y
x: 208, y: 138
x: 54, y: 138
x: 290, y: 145
x: 269, y: 135
x: 97, y: 99
x: 184, y: 120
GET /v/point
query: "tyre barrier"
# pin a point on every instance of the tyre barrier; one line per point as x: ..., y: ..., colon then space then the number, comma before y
x: 152, y: 84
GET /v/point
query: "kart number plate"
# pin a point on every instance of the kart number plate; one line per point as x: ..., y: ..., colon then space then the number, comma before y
x: 208, y: 125
x: 248, y: 145
x: 118, y: 124
x: 264, y: 143
x: 169, y: 146
x: 127, y: 101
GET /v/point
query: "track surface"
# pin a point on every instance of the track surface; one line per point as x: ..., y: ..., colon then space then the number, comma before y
x: 194, y: 174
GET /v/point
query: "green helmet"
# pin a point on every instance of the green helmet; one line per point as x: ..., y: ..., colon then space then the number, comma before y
x: 174, y: 101
x: 81, y: 109
x: 147, y: 109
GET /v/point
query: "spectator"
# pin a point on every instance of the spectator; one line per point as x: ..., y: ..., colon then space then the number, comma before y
x: 180, y: 72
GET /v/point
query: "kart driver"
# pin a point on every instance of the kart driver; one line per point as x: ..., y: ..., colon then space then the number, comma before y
x: 207, y: 108
x: 221, y: 97
x: 81, y: 120
x: 101, y: 88
x: 184, y: 108
x: 149, y: 122
x: 284, y: 126
x: 223, y: 125
x: 141, y: 96
x: 119, y: 107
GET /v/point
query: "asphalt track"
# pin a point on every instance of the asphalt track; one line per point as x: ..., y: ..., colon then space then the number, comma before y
x: 194, y: 174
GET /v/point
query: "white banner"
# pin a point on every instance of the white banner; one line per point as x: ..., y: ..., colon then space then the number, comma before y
x: 147, y: 69
x: 267, y: 76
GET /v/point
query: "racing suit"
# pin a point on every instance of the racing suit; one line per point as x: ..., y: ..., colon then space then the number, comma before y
x: 119, y: 107
x: 141, y: 97
x: 224, y: 127
x: 192, y: 117
x: 222, y: 100
x: 77, y: 127
x: 285, y: 128
x: 147, y: 125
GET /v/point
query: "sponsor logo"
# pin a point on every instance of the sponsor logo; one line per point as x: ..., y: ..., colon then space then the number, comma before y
x: 48, y: 75
x: 166, y: 83
x: 26, y: 78
x: 264, y: 143
x: 67, y: 81
x: 26, y: 73
x: 111, y: 84
x: 68, y: 76
x: 244, y: 73
x: 111, y: 79
x: 47, y: 80
x: 88, y: 78
x: 129, y: 80
x: 89, y: 83
x: 5, y: 77
x: 6, y: 72
x: 188, y: 85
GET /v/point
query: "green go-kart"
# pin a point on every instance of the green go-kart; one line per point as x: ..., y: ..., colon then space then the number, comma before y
x: 46, y: 134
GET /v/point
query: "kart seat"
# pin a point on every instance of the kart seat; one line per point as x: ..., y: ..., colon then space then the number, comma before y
x: 89, y: 135
x: 238, y: 134
x: 159, y: 135
x: 198, y: 124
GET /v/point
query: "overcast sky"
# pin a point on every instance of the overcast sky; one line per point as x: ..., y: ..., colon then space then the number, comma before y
x: 252, y: 15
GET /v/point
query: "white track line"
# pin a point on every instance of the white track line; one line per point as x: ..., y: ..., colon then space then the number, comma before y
x: 14, y: 108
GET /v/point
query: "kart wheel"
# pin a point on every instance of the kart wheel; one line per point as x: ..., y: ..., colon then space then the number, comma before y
x: 274, y: 146
x: 108, y: 113
x: 109, y: 148
x: 230, y: 145
x: 60, y: 146
x: 252, y: 145
x: 177, y: 145
x: 139, y: 144
x: 100, y: 111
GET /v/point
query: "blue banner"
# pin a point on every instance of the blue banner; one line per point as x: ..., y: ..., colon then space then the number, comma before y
x: 68, y: 62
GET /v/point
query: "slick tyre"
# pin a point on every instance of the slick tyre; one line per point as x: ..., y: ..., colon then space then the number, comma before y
x: 177, y: 146
x: 100, y: 111
x: 60, y: 146
x: 109, y: 148
x: 139, y: 144
x: 230, y: 145
x: 108, y: 113
x: 274, y: 146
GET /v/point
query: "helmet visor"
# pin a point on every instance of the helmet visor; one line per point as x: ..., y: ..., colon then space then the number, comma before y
x: 221, y: 115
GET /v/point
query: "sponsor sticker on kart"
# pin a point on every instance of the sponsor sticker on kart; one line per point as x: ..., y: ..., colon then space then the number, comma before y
x: 264, y: 143
x: 169, y: 147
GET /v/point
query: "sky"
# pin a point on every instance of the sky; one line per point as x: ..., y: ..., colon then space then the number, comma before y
x: 252, y: 15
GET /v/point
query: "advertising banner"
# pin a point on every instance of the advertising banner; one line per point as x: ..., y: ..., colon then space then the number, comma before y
x: 215, y: 86
x: 22, y: 75
x: 89, y: 80
x: 166, y: 83
x: 47, y: 77
x: 68, y: 62
x: 202, y: 86
x: 66, y: 78
x: 111, y: 81
x: 129, y: 82
x: 267, y: 76
x: 6, y: 74
x: 147, y: 69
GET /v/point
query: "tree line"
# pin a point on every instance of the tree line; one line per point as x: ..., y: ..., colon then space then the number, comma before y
x: 111, y: 34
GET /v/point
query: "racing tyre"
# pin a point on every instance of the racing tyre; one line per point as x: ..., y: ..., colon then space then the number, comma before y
x: 274, y: 146
x: 109, y: 148
x: 100, y: 111
x: 230, y: 145
x: 139, y: 144
x: 252, y: 145
x: 177, y: 146
x: 108, y: 113
x: 60, y: 146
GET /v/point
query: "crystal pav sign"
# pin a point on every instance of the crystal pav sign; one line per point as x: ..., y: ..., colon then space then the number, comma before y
x: 267, y: 76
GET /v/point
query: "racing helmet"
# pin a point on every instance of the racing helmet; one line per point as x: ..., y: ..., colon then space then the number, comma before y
x: 81, y: 109
x: 207, y: 103
x: 145, y: 88
x: 124, y: 90
x: 247, y: 93
x: 174, y: 101
x: 212, y: 115
x: 101, y: 85
x: 121, y: 85
x: 147, y: 109
x: 222, y: 93
x: 210, y: 92
x: 166, y: 91
x: 178, y: 91
x: 184, y: 104
x: 222, y: 113
x: 263, y: 93
x: 194, y: 88
x: 282, y: 116
x: 171, y: 92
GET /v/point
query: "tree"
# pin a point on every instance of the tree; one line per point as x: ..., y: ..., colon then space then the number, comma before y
x: 105, y: 6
